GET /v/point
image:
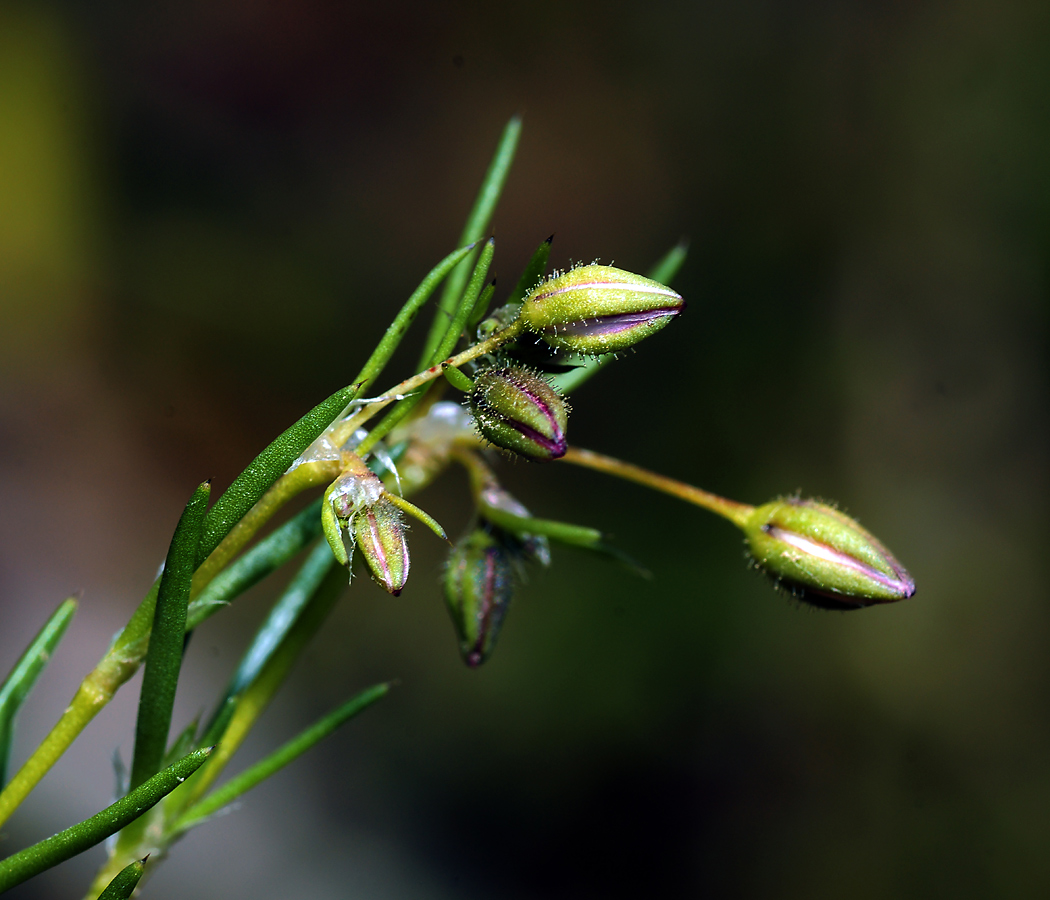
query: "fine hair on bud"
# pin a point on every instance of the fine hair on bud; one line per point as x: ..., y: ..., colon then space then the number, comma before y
x: 517, y: 410
x: 824, y: 557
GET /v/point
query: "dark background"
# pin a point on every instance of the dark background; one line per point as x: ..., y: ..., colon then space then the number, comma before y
x: 210, y: 210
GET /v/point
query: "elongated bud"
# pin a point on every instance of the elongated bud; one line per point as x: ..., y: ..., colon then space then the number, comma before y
x: 479, y: 584
x: 598, y: 309
x: 380, y: 536
x: 517, y: 410
x: 815, y: 548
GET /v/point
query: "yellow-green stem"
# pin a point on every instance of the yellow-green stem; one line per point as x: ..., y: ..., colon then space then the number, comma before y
x: 340, y: 432
x: 735, y: 512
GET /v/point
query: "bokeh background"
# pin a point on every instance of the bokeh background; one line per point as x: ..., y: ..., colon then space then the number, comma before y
x: 209, y: 211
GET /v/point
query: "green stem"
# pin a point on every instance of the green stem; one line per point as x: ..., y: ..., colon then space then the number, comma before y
x: 737, y: 513
x: 341, y: 431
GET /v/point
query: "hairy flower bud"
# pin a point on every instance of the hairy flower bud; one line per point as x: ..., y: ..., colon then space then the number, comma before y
x: 598, y: 309
x: 834, y: 562
x: 517, y: 410
x: 479, y: 584
x: 380, y: 536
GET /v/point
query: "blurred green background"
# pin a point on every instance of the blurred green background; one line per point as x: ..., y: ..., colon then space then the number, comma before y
x: 209, y: 211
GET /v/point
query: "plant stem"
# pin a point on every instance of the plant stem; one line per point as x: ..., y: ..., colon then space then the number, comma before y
x: 735, y: 512
x: 341, y: 431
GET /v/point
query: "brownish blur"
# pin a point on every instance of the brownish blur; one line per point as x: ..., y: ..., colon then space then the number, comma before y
x: 209, y: 212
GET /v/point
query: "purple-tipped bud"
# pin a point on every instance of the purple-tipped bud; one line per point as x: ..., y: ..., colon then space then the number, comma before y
x: 517, y: 410
x: 598, y: 309
x: 380, y: 536
x: 825, y: 555
x: 479, y: 584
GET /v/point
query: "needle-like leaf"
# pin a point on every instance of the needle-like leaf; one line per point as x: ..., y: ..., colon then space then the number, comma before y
x: 23, y: 676
x: 164, y: 657
x: 477, y: 225
x: 441, y: 352
x: 399, y: 327
x: 274, y: 630
x: 267, y: 467
x: 277, y: 760
x: 122, y: 887
x: 265, y: 557
x: 77, y: 838
x: 265, y: 667
x: 533, y: 273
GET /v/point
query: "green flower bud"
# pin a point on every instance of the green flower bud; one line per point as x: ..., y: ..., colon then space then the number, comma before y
x: 479, y: 584
x: 517, y: 410
x: 598, y: 309
x: 380, y: 536
x: 824, y: 555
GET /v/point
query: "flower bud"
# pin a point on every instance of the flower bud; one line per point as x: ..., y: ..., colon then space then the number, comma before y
x: 380, y: 536
x: 825, y: 555
x: 598, y: 309
x: 479, y: 584
x: 517, y: 410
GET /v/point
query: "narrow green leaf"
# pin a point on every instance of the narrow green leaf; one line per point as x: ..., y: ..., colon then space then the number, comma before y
x: 466, y: 304
x: 664, y: 272
x: 572, y: 535
x: 26, y: 671
x: 267, y: 467
x: 277, y: 760
x: 76, y: 839
x: 282, y: 618
x: 399, y: 327
x: 667, y: 268
x: 533, y: 273
x: 576, y: 535
x: 182, y: 745
x: 322, y: 582
x: 265, y: 557
x: 164, y: 657
x: 443, y: 350
x: 122, y: 887
x: 481, y: 308
x: 477, y: 225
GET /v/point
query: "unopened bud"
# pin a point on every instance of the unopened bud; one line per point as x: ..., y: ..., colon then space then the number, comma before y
x: 517, y: 410
x: 479, y: 584
x: 598, y: 309
x: 826, y: 555
x: 380, y: 536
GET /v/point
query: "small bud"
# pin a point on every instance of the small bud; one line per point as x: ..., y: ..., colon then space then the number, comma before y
x: 380, y: 536
x: 598, y: 309
x: 358, y: 511
x: 825, y: 554
x: 517, y: 410
x: 479, y: 584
